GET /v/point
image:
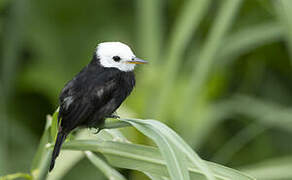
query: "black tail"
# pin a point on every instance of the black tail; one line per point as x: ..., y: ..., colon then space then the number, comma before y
x: 60, y: 139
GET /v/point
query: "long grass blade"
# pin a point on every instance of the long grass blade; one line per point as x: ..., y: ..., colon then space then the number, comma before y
x: 108, y: 171
x: 207, y: 55
x: 272, y: 169
x: 267, y: 113
x: 68, y: 159
x: 175, y: 160
x: 248, y: 39
x: 65, y: 162
x: 237, y: 142
x: 284, y: 9
x: 149, y: 20
x: 116, y: 135
x: 191, y: 15
x: 54, y: 126
x: 10, y: 52
x: 147, y: 159
x: 176, y: 140
x: 16, y: 176
x: 43, y: 169
x: 155, y: 177
x: 42, y: 147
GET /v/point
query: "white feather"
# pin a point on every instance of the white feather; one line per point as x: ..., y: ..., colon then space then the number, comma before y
x: 100, y: 92
x: 68, y: 100
x: 107, y: 50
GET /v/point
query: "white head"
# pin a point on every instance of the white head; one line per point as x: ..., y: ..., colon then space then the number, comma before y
x: 117, y: 55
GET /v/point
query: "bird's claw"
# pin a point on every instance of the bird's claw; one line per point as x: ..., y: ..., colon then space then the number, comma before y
x: 98, y: 130
x: 113, y: 116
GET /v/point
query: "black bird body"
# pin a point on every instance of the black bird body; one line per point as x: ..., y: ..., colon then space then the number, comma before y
x: 96, y: 91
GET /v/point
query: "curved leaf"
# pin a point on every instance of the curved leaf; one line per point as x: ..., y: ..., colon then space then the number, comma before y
x: 172, y: 137
x: 108, y: 171
x: 174, y: 158
x: 147, y: 159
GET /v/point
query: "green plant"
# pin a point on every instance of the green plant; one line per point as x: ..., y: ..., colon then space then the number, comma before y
x: 173, y: 159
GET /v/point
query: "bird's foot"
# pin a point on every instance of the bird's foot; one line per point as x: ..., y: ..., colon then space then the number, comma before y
x: 98, y: 130
x: 114, y: 116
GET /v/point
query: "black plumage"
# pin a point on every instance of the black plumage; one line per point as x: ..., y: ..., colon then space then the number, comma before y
x: 91, y: 96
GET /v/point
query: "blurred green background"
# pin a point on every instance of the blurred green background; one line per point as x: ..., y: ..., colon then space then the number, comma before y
x: 220, y: 74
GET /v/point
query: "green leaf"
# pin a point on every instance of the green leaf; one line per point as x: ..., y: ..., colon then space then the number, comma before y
x: 42, y: 159
x: 176, y: 140
x: 116, y: 135
x: 272, y: 169
x: 284, y: 9
x: 155, y: 177
x: 54, y: 126
x: 147, y: 159
x: 64, y: 163
x: 42, y: 146
x: 115, y: 124
x: 68, y: 159
x: 108, y: 171
x: 16, y: 176
x: 43, y: 169
x: 174, y: 158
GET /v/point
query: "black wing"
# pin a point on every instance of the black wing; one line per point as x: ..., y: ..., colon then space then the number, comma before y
x: 86, y: 95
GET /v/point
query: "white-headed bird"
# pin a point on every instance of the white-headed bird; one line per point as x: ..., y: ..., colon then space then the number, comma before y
x: 96, y: 91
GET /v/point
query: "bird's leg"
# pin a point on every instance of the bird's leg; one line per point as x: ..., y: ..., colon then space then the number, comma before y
x: 113, y: 115
x: 111, y: 124
x: 103, y: 126
x: 98, y: 130
x: 98, y: 127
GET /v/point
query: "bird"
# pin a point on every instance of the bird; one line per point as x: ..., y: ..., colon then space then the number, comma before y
x: 97, y: 91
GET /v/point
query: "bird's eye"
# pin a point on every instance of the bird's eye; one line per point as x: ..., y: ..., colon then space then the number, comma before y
x: 116, y: 58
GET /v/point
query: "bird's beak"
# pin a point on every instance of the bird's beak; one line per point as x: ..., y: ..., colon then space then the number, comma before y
x: 137, y: 61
